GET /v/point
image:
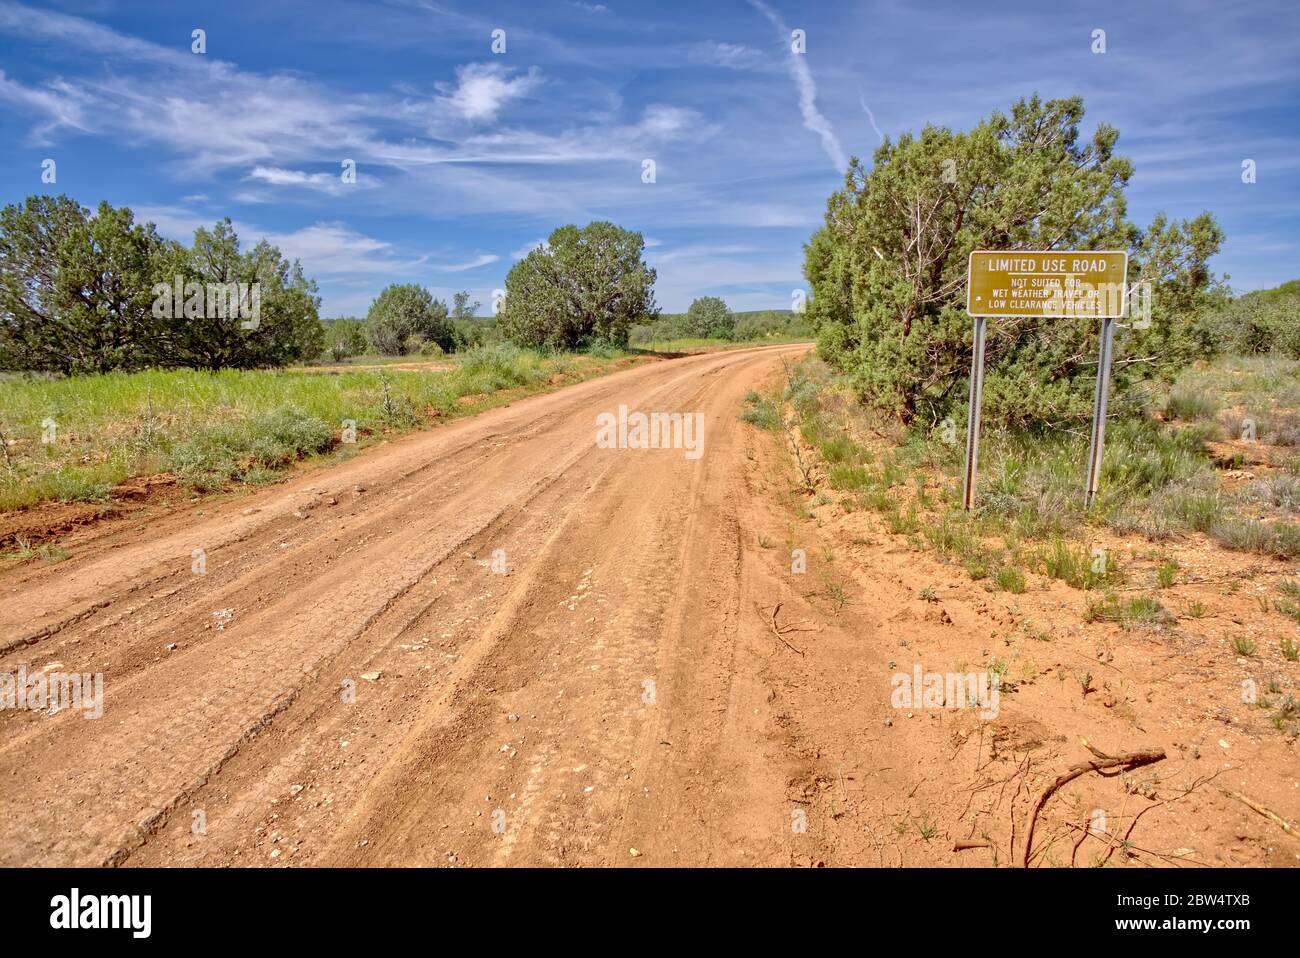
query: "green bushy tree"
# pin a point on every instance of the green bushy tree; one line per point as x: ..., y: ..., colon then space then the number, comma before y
x: 461, y: 307
x: 888, y: 269
x: 584, y: 285
x: 709, y: 317
x: 761, y: 325
x: 345, y: 338
x: 285, y: 329
x: 468, y: 330
x: 404, y: 316
x: 84, y: 292
x: 1256, y: 323
x: 75, y: 287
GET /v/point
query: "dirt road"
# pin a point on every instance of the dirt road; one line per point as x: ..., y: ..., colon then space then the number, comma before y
x: 499, y: 642
x: 344, y: 675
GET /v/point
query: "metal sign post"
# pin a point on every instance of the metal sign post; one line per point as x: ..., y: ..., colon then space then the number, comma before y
x: 973, y: 419
x: 1080, y: 284
x: 1099, y: 402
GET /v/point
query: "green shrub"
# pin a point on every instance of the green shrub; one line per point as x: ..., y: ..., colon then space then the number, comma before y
x: 1139, y: 609
x: 761, y: 412
x: 951, y: 536
x: 889, y: 309
x: 226, y: 451
x: 1281, y: 539
x: 848, y: 476
x: 900, y: 524
x: 1281, y: 492
x: 1075, y: 567
x: 1194, y: 509
x: 1009, y: 579
x: 1190, y: 404
x: 841, y: 449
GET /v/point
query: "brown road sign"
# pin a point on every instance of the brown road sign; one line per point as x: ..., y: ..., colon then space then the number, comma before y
x: 1085, y: 284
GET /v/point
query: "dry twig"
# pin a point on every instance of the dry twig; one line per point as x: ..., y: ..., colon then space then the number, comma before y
x: 777, y: 631
x: 1270, y: 815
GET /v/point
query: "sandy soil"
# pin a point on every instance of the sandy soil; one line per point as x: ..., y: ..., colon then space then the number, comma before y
x: 352, y: 680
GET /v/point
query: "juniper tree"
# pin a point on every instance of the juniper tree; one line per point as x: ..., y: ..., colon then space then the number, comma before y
x: 405, y: 310
x: 888, y: 268
x: 586, y: 284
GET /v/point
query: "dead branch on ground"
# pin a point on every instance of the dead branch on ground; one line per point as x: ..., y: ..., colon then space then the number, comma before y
x: 1100, y: 762
x: 780, y: 632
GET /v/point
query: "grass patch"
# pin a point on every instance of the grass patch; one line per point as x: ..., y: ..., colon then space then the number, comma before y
x: 849, y: 477
x: 1160, y: 478
x: 760, y: 412
x: 1078, y: 567
x: 234, y: 425
x: 1244, y: 646
x: 1196, y: 510
x: 1137, y: 610
x: 951, y: 537
x: 1280, y: 539
x: 1190, y: 404
x: 899, y: 524
x: 1166, y: 574
x: 842, y: 449
x: 24, y: 550
x: 1287, y: 717
x: 1009, y: 579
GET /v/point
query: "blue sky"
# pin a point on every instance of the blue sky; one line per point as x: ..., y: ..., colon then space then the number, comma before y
x: 467, y: 158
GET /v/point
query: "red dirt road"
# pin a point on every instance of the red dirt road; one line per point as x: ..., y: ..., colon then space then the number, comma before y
x: 349, y: 679
x: 606, y: 693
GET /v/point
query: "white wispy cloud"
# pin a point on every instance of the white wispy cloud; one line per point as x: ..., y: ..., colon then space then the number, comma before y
x: 481, y: 260
x: 695, y: 252
x: 862, y: 99
x: 659, y: 125
x: 747, y: 276
x: 333, y: 248
x: 59, y: 104
x: 326, y: 249
x: 331, y: 183
x: 737, y: 56
x: 86, y: 35
x: 212, y: 117
x: 797, y: 63
x: 482, y: 90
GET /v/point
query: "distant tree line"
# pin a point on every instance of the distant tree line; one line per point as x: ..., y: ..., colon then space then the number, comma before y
x: 405, y: 319
x: 582, y: 287
x: 709, y: 317
x: 1265, y: 321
